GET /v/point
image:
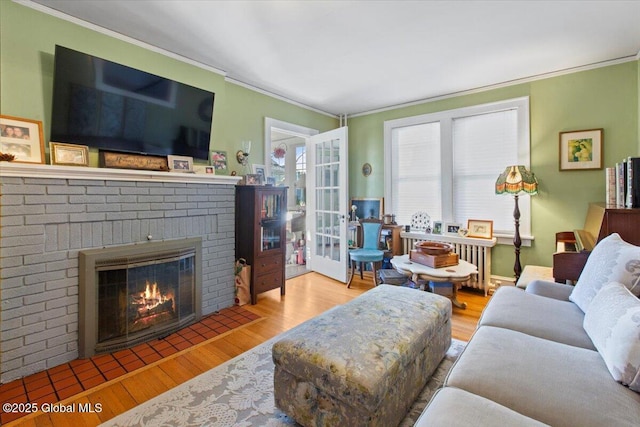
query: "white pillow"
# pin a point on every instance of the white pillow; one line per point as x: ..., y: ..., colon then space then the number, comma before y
x: 612, y: 260
x: 613, y: 324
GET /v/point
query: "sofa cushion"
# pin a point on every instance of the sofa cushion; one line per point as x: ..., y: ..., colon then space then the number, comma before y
x: 451, y: 406
x: 554, y: 383
x: 548, y: 289
x: 612, y: 260
x: 536, y: 315
x: 613, y: 323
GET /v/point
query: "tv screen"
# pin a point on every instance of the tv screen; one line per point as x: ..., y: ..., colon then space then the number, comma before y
x: 113, y: 107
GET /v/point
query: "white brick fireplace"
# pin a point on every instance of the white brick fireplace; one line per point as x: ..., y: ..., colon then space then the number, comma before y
x: 48, y: 214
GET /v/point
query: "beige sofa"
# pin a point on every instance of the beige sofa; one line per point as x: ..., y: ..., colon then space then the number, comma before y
x: 553, y: 354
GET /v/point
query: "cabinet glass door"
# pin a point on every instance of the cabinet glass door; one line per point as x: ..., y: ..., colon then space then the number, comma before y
x: 272, y: 210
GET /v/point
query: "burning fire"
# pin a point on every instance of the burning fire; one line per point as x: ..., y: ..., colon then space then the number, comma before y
x: 152, y: 295
x: 152, y: 301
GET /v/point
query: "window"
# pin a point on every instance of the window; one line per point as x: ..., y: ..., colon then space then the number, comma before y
x: 447, y: 163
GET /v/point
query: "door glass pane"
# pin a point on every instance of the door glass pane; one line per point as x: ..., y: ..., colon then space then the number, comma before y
x: 335, y: 150
x: 319, y: 244
x: 326, y: 200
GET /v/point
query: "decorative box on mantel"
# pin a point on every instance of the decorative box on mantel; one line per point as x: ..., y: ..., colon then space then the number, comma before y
x: 49, y: 214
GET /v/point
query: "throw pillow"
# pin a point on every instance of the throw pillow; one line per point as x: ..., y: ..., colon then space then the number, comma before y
x: 612, y: 260
x: 613, y: 324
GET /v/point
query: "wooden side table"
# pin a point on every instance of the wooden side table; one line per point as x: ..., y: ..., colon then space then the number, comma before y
x: 454, y: 274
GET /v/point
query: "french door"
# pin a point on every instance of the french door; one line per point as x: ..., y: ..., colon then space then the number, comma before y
x: 327, y: 197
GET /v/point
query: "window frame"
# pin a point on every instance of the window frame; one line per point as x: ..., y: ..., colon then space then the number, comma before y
x: 446, y: 118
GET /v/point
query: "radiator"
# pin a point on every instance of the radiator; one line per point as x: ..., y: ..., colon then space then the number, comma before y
x: 474, y: 251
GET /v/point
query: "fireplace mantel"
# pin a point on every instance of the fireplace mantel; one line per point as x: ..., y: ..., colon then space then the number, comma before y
x: 26, y: 170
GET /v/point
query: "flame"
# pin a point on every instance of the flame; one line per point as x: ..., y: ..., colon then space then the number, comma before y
x: 152, y: 296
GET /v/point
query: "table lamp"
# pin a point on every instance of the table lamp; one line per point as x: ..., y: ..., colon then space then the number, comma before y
x: 517, y: 180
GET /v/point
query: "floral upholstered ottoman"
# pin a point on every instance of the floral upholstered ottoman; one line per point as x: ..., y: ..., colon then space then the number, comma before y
x: 362, y: 363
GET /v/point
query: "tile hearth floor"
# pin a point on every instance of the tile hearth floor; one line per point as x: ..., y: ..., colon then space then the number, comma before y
x: 64, y: 381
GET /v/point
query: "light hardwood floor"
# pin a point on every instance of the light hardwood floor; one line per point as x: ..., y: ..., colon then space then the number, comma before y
x: 306, y: 297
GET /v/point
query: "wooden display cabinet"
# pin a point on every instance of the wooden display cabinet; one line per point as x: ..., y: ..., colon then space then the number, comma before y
x: 261, y: 235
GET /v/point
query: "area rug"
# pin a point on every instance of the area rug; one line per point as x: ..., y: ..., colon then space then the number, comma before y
x: 240, y: 393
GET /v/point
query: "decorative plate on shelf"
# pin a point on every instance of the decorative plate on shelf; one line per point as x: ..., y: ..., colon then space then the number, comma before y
x: 420, y: 221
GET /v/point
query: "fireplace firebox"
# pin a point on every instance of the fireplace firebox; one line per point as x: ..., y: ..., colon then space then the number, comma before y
x: 135, y: 293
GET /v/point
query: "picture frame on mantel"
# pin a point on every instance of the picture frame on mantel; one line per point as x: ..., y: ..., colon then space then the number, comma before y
x: 68, y: 154
x: 23, y: 138
x: 581, y: 150
x: 480, y: 228
x: 182, y: 164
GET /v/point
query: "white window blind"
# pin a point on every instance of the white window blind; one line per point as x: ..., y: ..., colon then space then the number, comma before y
x: 447, y: 163
x: 416, y: 179
x: 483, y: 145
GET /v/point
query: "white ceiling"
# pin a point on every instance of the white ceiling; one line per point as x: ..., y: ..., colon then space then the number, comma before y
x: 348, y: 57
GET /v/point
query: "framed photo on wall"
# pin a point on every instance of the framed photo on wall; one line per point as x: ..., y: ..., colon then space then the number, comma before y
x: 23, y: 138
x: 218, y: 159
x: 581, y: 149
x: 68, y: 154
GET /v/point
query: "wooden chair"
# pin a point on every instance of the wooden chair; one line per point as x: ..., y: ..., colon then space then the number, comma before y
x: 369, y: 252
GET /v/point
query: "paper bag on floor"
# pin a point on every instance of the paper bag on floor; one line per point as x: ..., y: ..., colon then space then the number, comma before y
x: 243, y: 281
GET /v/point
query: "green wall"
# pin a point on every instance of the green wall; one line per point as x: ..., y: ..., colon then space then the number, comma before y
x: 27, y: 43
x: 605, y: 97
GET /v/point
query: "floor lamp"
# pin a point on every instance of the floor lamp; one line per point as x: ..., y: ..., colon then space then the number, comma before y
x: 517, y: 180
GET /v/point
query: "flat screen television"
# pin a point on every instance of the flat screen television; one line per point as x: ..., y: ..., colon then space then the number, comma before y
x: 113, y: 107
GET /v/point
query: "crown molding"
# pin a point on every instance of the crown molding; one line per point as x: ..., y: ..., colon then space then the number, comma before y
x: 276, y: 96
x: 57, y: 14
x: 502, y: 85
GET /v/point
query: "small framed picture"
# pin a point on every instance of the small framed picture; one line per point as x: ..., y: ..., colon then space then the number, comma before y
x: 180, y: 163
x: 22, y: 138
x: 437, y: 227
x: 218, y: 159
x: 203, y: 169
x: 451, y: 228
x: 581, y: 149
x: 253, y: 179
x: 480, y: 228
x: 271, y: 180
x: 68, y: 154
x: 259, y: 170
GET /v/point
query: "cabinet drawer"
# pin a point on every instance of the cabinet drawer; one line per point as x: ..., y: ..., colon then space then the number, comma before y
x: 266, y: 282
x: 268, y: 264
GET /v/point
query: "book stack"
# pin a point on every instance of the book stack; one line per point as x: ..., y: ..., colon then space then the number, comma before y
x: 623, y: 184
